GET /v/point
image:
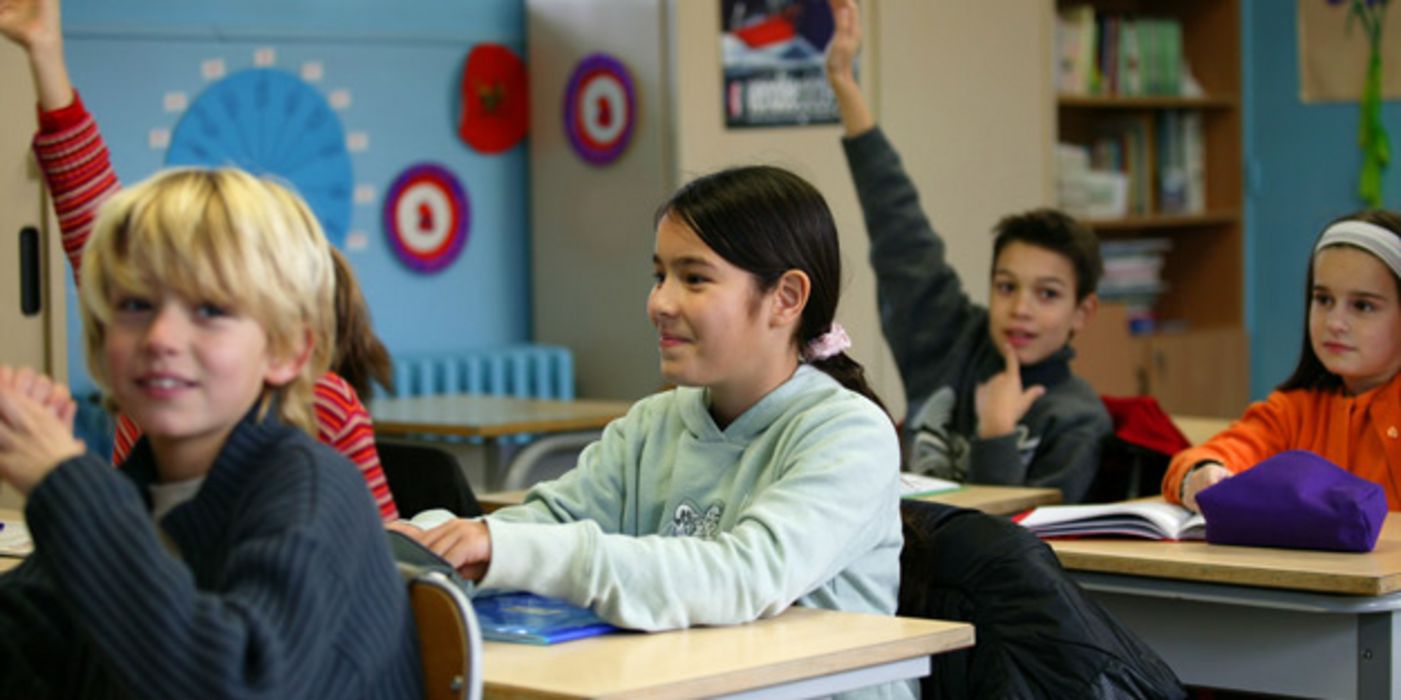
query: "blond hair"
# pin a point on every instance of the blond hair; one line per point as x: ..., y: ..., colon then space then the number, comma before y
x: 224, y: 237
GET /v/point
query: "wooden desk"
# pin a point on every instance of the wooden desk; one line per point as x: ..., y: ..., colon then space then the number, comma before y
x: 477, y: 415
x: 802, y: 653
x: 998, y: 500
x: 493, y: 417
x: 1288, y: 622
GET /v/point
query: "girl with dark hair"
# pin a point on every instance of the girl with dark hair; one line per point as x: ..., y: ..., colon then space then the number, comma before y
x: 1343, y: 400
x: 767, y: 478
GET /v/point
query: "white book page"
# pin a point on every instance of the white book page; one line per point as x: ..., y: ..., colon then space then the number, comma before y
x: 912, y: 484
x: 1166, y: 518
x: 14, y: 539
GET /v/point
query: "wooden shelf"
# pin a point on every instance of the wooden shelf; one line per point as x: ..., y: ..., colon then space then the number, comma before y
x: 1165, y: 221
x: 1144, y: 102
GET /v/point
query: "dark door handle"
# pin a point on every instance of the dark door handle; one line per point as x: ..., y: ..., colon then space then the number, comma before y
x: 30, y: 299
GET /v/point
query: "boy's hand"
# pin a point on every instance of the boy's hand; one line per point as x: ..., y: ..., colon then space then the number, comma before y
x: 841, y: 73
x: 41, y: 389
x: 466, y: 544
x: 1201, y: 478
x: 1001, y: 402
x: 30, y: 23
x: 846, y: 40
x: 33, y: 439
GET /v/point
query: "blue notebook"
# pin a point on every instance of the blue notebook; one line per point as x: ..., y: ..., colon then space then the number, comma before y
x: 532, y: 619
x: 508, y: 616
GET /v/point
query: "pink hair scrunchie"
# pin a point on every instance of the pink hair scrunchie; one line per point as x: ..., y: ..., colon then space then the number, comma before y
x: 829, y: 344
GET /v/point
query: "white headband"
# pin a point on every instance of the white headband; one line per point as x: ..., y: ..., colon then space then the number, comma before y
x: 1379, y: 241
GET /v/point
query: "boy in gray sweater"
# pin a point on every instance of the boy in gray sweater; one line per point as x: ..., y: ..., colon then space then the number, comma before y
x: 991, y: 398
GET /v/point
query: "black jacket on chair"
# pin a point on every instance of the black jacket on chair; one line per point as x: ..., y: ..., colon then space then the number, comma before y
x: 1038, y: 634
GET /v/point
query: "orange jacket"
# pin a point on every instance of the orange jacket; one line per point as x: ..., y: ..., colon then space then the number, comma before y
x: 1361, y: 434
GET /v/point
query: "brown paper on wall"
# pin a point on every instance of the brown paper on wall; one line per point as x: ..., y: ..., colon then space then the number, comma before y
x: 1333, y: 57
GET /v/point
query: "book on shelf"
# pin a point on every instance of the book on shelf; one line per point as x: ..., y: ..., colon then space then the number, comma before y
x: 1076, y: 48
x: 916, y: 485
x: 1115, y: 53
x: 1152, y: 520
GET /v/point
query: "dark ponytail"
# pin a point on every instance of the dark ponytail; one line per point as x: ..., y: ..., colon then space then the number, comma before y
x: 767, y: 221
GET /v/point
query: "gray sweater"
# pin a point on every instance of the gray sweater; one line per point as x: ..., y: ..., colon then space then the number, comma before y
x: 940, y: 341
x: 284, y: 587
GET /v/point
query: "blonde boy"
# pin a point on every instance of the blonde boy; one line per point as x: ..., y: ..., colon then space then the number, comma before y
x: 231, y: 555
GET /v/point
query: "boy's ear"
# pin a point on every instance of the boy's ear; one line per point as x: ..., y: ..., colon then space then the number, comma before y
x: 1084, y: 312
x: 790, y: 297
x: 282, y: 370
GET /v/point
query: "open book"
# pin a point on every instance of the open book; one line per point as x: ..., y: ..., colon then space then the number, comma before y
x: 14, y: 539
x: 915, y: 485
x: 1154, y: 520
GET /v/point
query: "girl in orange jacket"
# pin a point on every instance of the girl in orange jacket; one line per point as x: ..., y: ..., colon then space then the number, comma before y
x: 1343, y: 400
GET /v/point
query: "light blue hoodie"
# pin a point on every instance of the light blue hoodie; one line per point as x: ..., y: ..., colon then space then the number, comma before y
x: 669, y: 521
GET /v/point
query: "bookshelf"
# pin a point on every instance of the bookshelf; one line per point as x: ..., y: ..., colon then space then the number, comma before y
x: 1189, y: 347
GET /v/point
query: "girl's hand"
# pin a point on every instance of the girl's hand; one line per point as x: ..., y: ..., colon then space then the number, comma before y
x: 466, y: 544
x: 30, y: 23
x: 846, y: 40
x: 1001, y: 402
x: 1202, y: 477
x: 33, y: 439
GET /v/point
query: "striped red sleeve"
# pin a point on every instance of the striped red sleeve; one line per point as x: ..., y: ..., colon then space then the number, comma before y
x: 124, y: 437
x: 73, y: 158
x: 343, y: 423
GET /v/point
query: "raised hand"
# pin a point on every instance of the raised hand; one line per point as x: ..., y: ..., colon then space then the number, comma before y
x: 846, y: 40
x: 841, y: 75
x: 37, y: 27
x: 1001, y: 401
x: 30, y: 23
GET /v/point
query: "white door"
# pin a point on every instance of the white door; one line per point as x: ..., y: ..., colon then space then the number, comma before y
x: 31, y: 267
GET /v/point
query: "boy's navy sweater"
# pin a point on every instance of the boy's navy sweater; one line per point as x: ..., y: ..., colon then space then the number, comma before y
x: 283, y: 586
x: 940, y: 341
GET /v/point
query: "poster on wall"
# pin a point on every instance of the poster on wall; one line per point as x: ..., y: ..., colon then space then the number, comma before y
x: 1333, y: 55
x: 772, y: 60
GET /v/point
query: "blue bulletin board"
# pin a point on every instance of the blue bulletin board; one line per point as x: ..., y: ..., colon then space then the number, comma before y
x: 369, y: 94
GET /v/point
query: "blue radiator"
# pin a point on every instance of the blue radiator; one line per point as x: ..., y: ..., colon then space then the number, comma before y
x: 528, y: 371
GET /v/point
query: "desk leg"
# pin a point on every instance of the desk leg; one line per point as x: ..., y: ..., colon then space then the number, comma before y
x: 1260, y: 649
x: 1377, y: 646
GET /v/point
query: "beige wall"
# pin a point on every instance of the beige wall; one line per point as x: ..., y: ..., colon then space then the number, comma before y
x: 962, y: 87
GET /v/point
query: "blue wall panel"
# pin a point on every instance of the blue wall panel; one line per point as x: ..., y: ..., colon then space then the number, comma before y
x: 1302, y: 163
x: 401, y: 73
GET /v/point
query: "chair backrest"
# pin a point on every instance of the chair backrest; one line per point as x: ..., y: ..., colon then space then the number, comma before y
x: 423, y: 476
x: 449, y: 638
x: 1039, y: 634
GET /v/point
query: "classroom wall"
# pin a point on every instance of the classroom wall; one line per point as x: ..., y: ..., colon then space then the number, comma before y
x: 961, y: 87
x: 1301, y: 172
x: 402, y: 70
